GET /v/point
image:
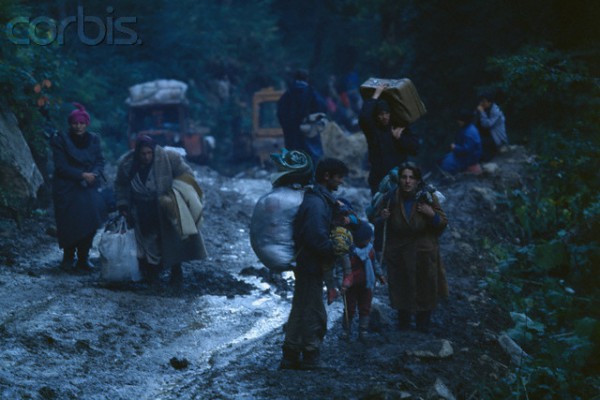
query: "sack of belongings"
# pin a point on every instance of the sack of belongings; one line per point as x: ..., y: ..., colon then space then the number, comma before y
x: 313, y: 124
x: 118, y: 252
x: 271, y: 226
x: 401, y: 94
x: 387, y: 188
x: 160, y: 91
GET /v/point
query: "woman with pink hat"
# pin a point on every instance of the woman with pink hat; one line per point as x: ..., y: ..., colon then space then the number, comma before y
x: 78, y: 204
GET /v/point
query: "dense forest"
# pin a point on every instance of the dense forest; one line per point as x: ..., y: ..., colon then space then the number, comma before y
x: 542, y: 59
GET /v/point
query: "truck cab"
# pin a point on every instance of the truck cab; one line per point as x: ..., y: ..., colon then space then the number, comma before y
x: 267, y: 135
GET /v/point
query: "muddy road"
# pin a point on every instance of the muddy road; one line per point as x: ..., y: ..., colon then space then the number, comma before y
x: 71, y: 336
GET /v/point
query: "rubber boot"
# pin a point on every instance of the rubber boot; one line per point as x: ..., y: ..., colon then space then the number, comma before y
x: 404, y: 318
x: 363, y: 328
x: 149, y: 271
x: 311, y: 360
x: 176, y: 279
x: 68, y: 261
x: 423, y: 321
x: 83, y: 250
x: 346, y: 327
x: 153, y: 273
x: 143, y: 269
x: 290, y: 359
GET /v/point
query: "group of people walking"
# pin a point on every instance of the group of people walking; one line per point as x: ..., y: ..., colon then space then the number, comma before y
x: 145, y: 178
x: 407, y: 224
x: 398, y: 246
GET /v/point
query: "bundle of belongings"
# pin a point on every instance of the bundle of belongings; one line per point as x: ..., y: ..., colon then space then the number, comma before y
x: 183, y: 205
x: 387, y: 188
x: 401, y: 94
x: 271, y: 226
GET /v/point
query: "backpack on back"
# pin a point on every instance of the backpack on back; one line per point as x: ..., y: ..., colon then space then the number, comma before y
x: 272, y: 222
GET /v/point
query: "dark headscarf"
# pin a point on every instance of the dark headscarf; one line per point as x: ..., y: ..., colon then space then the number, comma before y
x: 144, y: 141
x: 141, y: 142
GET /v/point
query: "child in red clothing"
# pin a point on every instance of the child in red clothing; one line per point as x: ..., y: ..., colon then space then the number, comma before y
x: 359, y: 280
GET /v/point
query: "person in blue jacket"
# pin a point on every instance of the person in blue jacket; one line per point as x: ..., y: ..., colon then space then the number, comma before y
x: 297, y: 103
x: 491, y: 123
x: 79, y: 207
x: 316, y: 251
x: 466, y: 148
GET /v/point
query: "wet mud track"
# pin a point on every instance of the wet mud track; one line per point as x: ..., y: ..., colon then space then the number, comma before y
x: 70, y: 336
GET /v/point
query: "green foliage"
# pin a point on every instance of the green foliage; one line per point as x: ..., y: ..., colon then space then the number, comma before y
x: 556, y: 271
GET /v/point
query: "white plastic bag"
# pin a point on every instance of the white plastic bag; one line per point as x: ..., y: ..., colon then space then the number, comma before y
x: 118, y: 252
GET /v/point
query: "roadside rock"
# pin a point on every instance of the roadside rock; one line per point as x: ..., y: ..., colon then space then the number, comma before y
x: 437, y: 349
x: 17, y: 167
x: 440, y: 391
x: 351, y: 148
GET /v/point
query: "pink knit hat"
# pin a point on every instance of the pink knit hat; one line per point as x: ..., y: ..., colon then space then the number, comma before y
x: 79, y: 115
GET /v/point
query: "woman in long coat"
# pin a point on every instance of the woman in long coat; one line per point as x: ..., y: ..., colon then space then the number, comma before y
x: 416, y: 275
x: 78, y: 204
x: 146, y: 175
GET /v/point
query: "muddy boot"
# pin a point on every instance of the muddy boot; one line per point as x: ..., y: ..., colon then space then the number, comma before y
x: 346, y: 328
x: 311, y: 360
x: 153, y: 274
x: 404, y: 318
x: 363, y: 329
x: 423, y: 321
x: 290, y: 359
x: 84, y: 265
x: 83, y: 250
x: 150, y: 272
x: 176, y: 279
x: 68, y: 261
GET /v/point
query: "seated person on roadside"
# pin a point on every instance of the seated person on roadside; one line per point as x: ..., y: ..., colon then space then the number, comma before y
x: 465, y: 151
x: 491, y: 123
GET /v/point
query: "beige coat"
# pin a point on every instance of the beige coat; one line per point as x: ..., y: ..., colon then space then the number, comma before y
x: 416, y: 275
x: 168, y: 247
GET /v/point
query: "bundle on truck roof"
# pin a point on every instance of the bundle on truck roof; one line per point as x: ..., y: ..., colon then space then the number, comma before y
x: 160, y: 91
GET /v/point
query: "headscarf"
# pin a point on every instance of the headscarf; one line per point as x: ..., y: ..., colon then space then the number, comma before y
x: 144, y: 141
x: 141, y: 141
x: 79, y: 115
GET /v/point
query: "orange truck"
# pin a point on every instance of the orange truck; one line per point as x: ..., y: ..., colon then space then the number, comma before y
x: 266, y: 136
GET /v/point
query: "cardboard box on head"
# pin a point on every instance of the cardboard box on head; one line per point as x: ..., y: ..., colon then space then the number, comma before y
x: 402, y: 96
